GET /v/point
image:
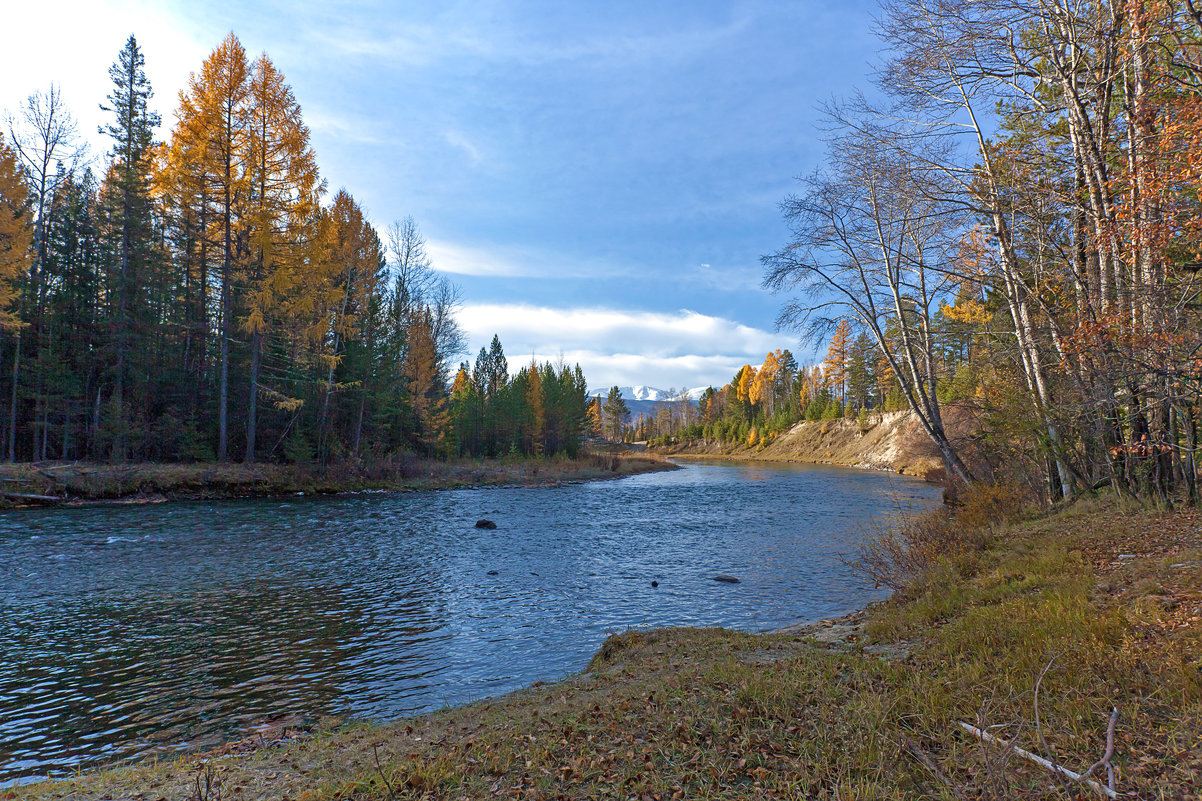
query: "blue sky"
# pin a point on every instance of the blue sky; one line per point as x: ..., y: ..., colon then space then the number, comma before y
x: 600, y: 179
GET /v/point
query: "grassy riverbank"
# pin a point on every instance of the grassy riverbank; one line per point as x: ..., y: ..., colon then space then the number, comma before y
x: 1101, y: 601
x: 52, y: 483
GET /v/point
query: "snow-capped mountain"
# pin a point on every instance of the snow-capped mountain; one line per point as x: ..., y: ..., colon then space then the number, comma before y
x: 645, y: 393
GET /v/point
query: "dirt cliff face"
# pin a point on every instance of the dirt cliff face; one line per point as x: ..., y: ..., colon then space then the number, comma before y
x: 888, y: 441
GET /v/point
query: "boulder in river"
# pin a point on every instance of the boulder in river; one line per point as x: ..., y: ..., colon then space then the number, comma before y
x: 725, y: 579
x: 483, y: 523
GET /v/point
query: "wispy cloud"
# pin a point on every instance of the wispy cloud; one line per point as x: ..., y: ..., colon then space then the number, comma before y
x: 508, y: 262
x: 462, y: 260
x: 732, y: 278
x: 459, y: 34
x: 458, y: 140
x: 345, y: 127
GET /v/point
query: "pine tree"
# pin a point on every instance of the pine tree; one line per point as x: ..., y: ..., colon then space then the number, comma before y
x: 78, y: 316
x: 337, y: 297
x: 132, y: 132
x: 617, y: 413
x: 44, y: 139
x: 860, y: 364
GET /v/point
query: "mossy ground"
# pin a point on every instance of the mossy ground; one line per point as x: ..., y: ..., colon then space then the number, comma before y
x: 1104, y: 601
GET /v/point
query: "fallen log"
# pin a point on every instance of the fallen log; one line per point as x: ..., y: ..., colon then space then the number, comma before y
x: 28, y: 496
x: 1109, y: 792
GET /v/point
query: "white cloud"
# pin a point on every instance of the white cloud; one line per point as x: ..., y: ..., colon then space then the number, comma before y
x: 462, y: 260
x: 505, y: 262
x: 614, y: 346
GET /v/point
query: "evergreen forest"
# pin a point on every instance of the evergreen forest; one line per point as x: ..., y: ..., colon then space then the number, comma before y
x: 203, y: 296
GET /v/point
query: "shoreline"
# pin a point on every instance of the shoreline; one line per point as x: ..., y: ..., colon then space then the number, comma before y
x: 71, y: 484
x: 886, y: 441
x: 1100, y: 601
x: 931, y: 476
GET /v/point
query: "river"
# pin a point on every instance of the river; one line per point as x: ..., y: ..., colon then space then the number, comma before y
x: 132, y: 630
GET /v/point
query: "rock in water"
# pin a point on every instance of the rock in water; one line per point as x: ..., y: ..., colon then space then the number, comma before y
x: 492, y: 572
x: 482, y: 523
x: 725, y: 579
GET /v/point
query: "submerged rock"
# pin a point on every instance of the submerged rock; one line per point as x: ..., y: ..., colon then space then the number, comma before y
x: 725, y: 579
x: 483, y: 523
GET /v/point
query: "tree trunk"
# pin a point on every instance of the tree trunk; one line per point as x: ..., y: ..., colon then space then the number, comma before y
x: 359, y: 422
x: 12, y: 408
x: 253, y: 400
x: 1191, y: 469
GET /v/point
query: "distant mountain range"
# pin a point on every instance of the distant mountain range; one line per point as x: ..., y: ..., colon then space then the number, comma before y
x: 643, y: 399
x: 642, y: 393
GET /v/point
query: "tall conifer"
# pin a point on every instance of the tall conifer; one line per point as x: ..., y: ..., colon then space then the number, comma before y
x: 132, y: 132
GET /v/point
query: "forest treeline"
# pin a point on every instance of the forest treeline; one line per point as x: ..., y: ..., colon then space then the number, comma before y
x: 852, y: 381
x: 200, y: 298
x: 1016, y: 224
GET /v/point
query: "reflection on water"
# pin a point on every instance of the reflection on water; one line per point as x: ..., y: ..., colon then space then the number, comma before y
x: 130, y: 630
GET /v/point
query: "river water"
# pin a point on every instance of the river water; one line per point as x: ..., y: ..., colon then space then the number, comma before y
x: 132, y: 630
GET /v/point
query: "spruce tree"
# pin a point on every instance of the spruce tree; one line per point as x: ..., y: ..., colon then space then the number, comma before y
x: 616, y: 413
x: 132, y: 131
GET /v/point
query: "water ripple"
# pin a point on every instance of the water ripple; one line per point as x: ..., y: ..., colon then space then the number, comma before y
x: 128, y: 631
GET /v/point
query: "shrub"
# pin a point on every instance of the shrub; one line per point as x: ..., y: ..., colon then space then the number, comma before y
x: 984, y: 506
x: 298, y: 449
x: 903, y: 550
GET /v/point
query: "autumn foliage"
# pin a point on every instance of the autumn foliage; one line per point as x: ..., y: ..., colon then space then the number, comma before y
x: 206, y: 298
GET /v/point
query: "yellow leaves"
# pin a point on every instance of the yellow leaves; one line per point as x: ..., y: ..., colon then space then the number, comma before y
x: 743, y: 382
x: 967, y: 310
x: 763, y: 383
x: 255, y: 323
x: 462, y: 383
x: 837, y: 355
x: 280, y: 401
x: 16, y: 235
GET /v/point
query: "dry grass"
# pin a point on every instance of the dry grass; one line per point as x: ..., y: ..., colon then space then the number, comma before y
x: 1097, y: 593
x: 901, y: 551
x: 153, y: 482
